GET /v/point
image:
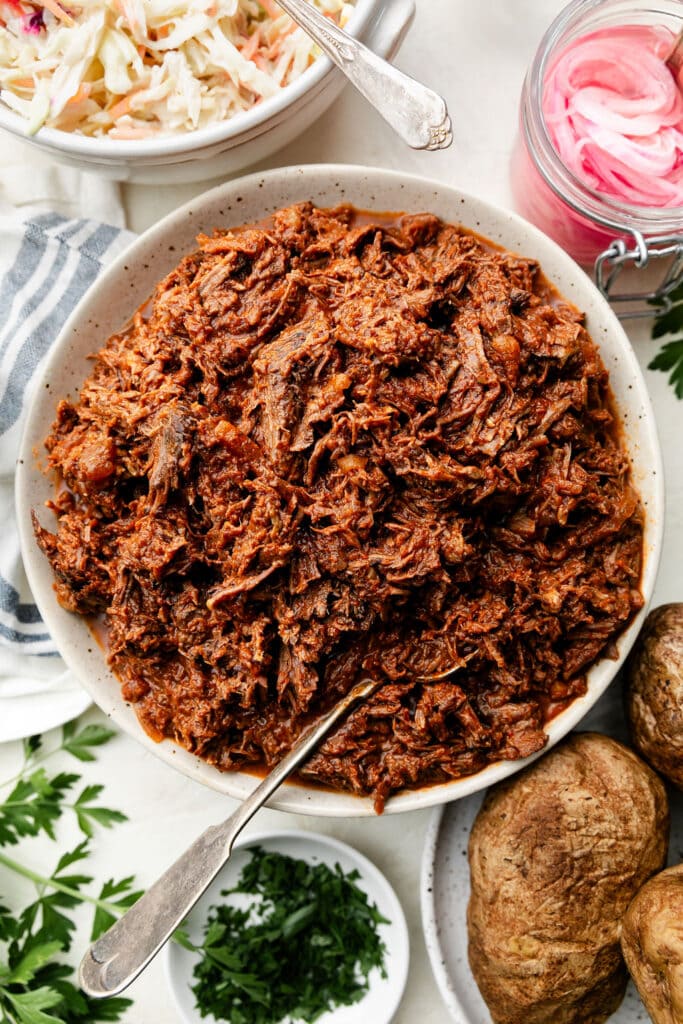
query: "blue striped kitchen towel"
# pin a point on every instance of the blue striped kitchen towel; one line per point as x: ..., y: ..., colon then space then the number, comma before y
x: 47, y: 261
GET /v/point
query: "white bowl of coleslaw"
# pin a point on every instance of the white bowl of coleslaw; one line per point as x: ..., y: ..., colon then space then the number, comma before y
x: 168, y: 91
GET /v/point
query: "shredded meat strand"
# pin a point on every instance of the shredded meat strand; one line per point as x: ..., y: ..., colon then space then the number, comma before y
x: 333, y: 446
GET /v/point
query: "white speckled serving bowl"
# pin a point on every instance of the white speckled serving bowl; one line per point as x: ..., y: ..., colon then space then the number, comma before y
x: 226, y: 146
x: 131, y: 279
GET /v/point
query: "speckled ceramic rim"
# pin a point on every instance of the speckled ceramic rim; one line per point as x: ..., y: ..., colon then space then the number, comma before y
x: 379, y: 890
x: 129, y: 280
x: 105, y: 149
x: 429, y: 925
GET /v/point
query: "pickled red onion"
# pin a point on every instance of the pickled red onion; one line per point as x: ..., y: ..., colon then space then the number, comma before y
x: 614, y: 113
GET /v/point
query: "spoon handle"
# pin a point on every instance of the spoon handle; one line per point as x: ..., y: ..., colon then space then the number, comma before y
x: 118, y: 956
x: 416, y: 113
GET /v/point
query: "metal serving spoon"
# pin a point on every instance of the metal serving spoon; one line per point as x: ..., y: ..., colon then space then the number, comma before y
x: 416, y: 113
x: 123, y: 952
x: 118, y: 956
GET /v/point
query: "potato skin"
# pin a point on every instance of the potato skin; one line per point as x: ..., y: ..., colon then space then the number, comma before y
x: 654, y: 691
x: 652, y: 944
x: 556, y: 855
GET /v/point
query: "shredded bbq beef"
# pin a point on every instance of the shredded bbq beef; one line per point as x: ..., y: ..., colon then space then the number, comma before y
x: 332, y: 447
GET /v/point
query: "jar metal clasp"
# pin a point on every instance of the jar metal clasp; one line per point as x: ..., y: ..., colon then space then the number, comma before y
x: 639, y: 255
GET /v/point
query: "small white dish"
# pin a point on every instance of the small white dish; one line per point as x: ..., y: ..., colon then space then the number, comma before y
x: 384, y: 994
x: 445, y: 888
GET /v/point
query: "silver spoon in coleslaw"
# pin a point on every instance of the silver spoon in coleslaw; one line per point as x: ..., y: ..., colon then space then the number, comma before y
x: 415, y: 112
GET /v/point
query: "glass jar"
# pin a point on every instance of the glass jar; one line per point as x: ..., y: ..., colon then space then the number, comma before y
x: 596, y: 229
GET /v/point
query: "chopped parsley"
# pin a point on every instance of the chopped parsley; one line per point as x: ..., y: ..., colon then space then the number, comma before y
x: 305, y: 942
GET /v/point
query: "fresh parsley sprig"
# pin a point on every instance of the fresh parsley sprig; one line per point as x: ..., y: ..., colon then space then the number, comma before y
x: 35, y: 986
x: 669, y: 359
x: 37, y: 801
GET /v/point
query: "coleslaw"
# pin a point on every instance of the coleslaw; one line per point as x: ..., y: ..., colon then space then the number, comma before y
x: 133, y: 69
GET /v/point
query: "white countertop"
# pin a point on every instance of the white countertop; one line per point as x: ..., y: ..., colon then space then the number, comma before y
x: 476, y: 55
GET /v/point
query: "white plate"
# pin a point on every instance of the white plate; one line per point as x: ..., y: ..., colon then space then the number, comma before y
x: 131, y: 278
x: 384, y: 994
x: 445, y: 889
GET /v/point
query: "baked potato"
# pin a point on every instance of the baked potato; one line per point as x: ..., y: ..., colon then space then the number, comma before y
x: 652, y: 944
x: 556, y: 854
x: 654, y: 691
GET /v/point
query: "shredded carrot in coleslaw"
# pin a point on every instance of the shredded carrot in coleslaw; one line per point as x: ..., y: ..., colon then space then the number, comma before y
x: 132, y: 69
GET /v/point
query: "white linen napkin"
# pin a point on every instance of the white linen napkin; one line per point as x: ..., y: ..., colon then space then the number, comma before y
x: 58, y: 227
